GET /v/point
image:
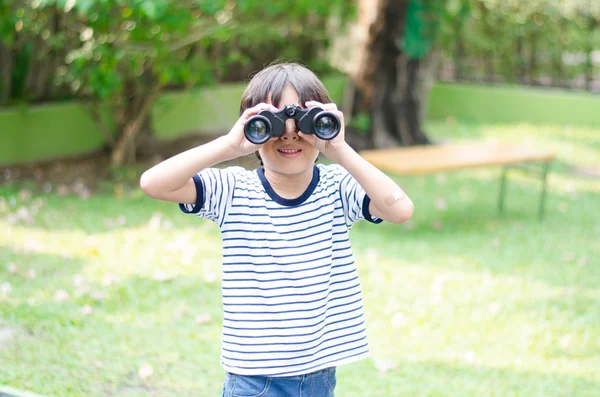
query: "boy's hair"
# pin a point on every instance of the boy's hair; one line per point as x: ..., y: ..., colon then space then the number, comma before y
x: 269, y: 83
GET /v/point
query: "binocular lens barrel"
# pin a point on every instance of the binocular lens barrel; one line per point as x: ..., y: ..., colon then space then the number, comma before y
x: 258, y: 130
x: 326, y: 127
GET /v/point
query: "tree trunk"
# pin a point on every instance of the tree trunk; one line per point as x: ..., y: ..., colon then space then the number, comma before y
x: 521, y: 67
x: 459, y: 51
x: 6, y: 67
x: 134, y: 124
x: 389, y: 86
x: 533, y: 60
x: 412, y: 80
x: 384, y: 129
x: 589, y: 64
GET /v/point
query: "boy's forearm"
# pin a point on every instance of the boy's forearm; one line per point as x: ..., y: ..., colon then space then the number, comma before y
x: 173, y: 173
x: 392, y: 204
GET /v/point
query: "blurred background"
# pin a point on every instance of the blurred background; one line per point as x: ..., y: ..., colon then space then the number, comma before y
x: 104, y: 292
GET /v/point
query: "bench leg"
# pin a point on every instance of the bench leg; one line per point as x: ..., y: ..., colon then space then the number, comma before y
x: 502, y: 189
x: 545, y: 169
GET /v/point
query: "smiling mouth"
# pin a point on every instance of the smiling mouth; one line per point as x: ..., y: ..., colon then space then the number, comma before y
x: 289, y: 151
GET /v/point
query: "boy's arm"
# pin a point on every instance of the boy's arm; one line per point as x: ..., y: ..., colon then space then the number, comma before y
x: 388, y: 201
x: 171, y: 180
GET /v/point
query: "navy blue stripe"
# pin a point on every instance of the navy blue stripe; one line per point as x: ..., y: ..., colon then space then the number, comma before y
x: 298, y: 302
x: 281, y: 248
x: 288, y: 223
x: 255, y: 280
x: 280, y: 239
x: 199, y: 197
x: 270, y: 216
x: 294, y: 286
x: 271, y: 337
x: 279, y: 207
x: 282, y: 271
x: 367, y: 212
x: 295, y: 311
x: 325, y: 312
x: 321, y: 364
x: 302, y: 326
x: 298, y: 350
x: 279, y: 232
x: 271, y: 343
x: 301, y: 364
x: 295, y: 357
x: 299, y: 294
x: 289, y: 255
x: 230, y: 181
x: 285, y: 264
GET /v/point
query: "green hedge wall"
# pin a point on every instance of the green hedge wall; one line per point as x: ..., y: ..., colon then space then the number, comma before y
x: 65, y: 129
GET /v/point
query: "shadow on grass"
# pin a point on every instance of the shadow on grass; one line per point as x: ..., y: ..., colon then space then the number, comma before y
x: 96, y: 214
x: 29, y: 272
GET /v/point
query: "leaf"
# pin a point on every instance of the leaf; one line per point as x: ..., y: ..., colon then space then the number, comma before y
x: 149, y: 8
x: 83, y: 6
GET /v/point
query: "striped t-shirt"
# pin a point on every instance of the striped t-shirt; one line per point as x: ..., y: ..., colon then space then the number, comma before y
x: 292, y: 299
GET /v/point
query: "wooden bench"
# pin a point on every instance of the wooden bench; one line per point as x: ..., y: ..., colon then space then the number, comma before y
x: 417, y: 160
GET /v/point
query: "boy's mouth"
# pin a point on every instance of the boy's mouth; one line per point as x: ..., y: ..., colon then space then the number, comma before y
x: 288, y: 152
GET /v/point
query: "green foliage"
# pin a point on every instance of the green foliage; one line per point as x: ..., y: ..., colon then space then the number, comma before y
x: 109, y: 48
x: 423, y: 23
x: 125, y: 52
x: 521, y: 41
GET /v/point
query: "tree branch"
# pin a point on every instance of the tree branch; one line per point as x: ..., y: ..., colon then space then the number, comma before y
x: 108, y: 136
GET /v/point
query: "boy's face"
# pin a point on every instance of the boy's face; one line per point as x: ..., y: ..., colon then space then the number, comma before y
x: 288, y: 154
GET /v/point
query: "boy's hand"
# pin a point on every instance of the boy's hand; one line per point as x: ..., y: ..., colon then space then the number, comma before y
x: 237, y: 140
x: 332, y: 147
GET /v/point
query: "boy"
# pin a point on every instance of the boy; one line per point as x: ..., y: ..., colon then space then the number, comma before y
x: 291, y: 295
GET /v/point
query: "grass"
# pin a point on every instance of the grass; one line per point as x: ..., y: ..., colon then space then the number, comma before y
x: 119, y: 295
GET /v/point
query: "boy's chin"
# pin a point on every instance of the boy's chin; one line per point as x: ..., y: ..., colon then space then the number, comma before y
x: 290, y: 166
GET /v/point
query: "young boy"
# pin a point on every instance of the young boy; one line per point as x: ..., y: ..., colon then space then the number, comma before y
x: 291, y: 296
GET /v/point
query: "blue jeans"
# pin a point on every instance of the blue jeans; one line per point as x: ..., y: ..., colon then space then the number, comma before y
x: 315, y: 384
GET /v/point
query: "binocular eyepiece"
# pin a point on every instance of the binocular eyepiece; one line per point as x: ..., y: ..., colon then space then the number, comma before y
x: 266, y: 124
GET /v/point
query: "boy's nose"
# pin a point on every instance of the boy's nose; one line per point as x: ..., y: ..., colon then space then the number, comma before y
x: 290, y: 130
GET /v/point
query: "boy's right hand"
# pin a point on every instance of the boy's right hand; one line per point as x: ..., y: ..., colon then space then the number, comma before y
x: 237, y: 140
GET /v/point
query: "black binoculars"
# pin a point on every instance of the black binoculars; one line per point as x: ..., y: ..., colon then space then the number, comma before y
x: 266, y: 124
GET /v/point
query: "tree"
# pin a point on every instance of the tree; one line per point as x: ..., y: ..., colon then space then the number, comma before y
x: 395, y: 73
x: 119, y: 55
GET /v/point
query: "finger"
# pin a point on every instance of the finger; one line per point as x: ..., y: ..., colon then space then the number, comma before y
x: 324, y: 106
x: 262, y: 106
x: 257, y: 109
x: 310, y: 104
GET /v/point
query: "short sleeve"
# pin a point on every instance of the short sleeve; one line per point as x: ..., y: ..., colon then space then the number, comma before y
x: 354, y: 199
x: 214, y: 192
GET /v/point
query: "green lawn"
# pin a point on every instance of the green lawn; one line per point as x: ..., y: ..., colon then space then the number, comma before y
x: 119, y: 295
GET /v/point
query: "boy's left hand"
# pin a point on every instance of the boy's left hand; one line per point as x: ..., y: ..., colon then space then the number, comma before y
x: 331, y: 147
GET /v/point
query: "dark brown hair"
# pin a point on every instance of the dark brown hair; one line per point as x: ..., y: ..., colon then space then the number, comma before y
x: 269, y: 83
x: 268, y: 86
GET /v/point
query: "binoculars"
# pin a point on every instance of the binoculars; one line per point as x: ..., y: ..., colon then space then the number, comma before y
x: 266, y: 124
